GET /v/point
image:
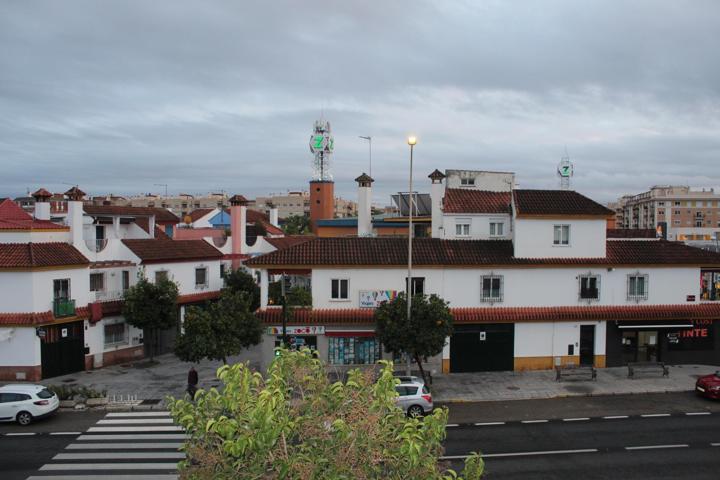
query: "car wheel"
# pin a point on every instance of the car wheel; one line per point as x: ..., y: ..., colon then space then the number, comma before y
x: 415, y: 411
x: 24, y: 418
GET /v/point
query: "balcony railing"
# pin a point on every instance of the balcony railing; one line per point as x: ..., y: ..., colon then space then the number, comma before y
x: 63, y: 307
x: 96, y: 245
x: 106, y: 295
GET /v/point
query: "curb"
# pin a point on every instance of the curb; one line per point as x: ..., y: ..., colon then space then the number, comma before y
x: 117, y: 407
x: 561, y: 395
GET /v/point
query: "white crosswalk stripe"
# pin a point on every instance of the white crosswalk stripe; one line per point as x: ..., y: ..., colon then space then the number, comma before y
x: 121, y: 446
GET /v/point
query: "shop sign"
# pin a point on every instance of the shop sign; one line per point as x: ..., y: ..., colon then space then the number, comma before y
x: 373, y: 298
x: 699, y: 337
x: 304, y: 330
x: 690, y: 298
x: 41, y: 332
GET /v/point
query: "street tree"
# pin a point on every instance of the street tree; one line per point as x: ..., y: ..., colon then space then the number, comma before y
x: 294, y: 423
x: 421, y: 336
x: 219, y: 330
x: 296, y: 225
x: 240, y: 280
x: 152, y: 307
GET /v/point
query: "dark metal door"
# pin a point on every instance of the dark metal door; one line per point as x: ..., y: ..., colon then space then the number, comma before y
x: 587, y: 344
x: 62, y: 349
x: 482, y: 348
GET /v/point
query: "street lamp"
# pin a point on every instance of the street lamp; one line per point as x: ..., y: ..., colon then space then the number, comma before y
x: 369, y: 139
x: 411, y: 141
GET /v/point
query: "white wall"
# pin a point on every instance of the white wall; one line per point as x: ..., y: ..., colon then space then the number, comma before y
x: 492, y: 181
x: 533, y: 238
x: 479, y: 226
x: 552, y: 338
x: 19, y: 347
x: 184, y: 274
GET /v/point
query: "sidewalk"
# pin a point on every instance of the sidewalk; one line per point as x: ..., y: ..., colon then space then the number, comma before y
x: 494, y: 386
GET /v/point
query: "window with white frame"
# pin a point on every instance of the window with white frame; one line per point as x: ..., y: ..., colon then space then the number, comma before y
x: 97, y: 282
x: 497, y: 229
x: 462, y: 227
x: 561, y: 235
x: 339, y: 289
x: 201, y: 277
x: 492, y: 288
x: 589, y: 287
x: 637, y: 286
x: 115, y: 332
x: 467, y: 181
x: 125, y: 280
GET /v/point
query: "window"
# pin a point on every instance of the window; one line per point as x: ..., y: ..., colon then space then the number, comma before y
x: 589, y: 287
x: 467, y: 181
x: 637, y: 287
x: 677, y: 204
x: 115, y: 333
x: 353, y: 350
x: 497, y: 229
x: 222, y: 270
x: 491, y: 288
x: 61, y: 289
x: 698, y: 223
x: 125, y: 280
x: 161, y: 276
x: 418, y: 285
x: 201, y: 277
x: 710, y: 284
x: 462, y: 227
x: 661, y: 211
x: 97, y: 282
x: 561, y: 235
x: 661, y: 204
x: 339, y: 289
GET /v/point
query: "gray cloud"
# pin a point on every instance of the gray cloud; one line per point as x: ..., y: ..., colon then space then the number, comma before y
x: 117, y: 96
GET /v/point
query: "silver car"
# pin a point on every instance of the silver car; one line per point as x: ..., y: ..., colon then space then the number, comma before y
x: 414, y: 398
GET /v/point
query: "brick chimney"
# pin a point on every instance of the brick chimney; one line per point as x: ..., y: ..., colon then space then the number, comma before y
x: 238, y: 225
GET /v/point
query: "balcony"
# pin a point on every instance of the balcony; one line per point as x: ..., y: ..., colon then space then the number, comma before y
x: 109, y: 295
x: 96, y: 245
x: 63, y: 307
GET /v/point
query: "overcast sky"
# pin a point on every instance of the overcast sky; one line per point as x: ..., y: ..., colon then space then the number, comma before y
x: 209, y: 95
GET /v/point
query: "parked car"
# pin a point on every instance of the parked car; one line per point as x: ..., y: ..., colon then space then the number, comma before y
x: 23, y: 403
x: 414, y: 398
x: 410, y: 379
x: 709, y: 386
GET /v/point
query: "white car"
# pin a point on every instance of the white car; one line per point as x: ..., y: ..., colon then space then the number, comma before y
x: 414, y: 398
x: 24, y: 403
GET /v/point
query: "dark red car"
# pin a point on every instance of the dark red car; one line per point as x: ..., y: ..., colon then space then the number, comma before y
x: 709, y: 386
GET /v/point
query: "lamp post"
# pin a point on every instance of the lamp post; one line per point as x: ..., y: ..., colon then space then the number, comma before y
x: 369, y: 139
x: 411, y: 141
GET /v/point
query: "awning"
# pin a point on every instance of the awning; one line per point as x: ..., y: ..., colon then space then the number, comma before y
x: 364, y: 333
x: 654, y: 325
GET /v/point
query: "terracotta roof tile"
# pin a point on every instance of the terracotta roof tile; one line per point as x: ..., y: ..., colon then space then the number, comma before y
x: 156, y: 250
x: 39, y: 318
x: 631, y: 233
x: 162, y: 215
x: 198, y: 213
x: 288, y: 241
x: 13, y: 217
x: 460, y: 200
x: 556, y: 203
x: 198, y: 297
x: 33, y: 255
x: 345, y: 251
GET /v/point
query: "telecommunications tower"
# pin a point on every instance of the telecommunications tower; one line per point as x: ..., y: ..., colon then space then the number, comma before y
x: 565, y: 171
x: 321, y: 145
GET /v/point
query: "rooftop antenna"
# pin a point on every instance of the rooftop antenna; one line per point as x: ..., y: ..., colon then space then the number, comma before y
x: 162, y: 185
x: 565, y: 171
x: 369, y: 139
x: 321, y: 145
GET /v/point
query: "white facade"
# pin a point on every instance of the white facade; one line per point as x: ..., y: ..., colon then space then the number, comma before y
x: 480, y: 180
x: 534, y: 238
x: 479, y: 226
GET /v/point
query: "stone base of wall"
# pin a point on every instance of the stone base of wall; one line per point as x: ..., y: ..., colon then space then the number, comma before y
x: 548, y: 363
x: 123, y: 355
x: 14, y: 374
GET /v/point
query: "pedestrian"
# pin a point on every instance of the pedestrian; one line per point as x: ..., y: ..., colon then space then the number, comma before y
x: 192, y: 382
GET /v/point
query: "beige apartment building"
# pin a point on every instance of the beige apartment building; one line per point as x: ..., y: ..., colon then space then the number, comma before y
x: 685, y: 214
x: 298, y: 203
x: 181, y: 204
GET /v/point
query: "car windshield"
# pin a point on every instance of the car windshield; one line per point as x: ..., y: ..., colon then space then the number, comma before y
x: 45, y: 393
x: 425, y: 389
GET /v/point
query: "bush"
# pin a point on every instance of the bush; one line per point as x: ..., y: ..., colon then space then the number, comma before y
x: 69, y: 392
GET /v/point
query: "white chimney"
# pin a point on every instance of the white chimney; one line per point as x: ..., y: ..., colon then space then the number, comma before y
x: 273, y: 214
x: 42, y: 205
x: 75, y: 216
x: 437, y: 192
x: 364, y: 205
x: 151, y: 226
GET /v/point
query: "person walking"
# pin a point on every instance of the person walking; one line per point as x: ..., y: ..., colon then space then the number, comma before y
x: 192, y: 382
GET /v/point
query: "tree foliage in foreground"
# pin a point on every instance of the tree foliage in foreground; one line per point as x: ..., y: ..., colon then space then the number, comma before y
x: 295, y: 424
x: 423, y: 336
x: 240, y: 280
x: 222, y: 329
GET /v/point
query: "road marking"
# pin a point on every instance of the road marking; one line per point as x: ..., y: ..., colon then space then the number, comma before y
x: 19, y: 434
x: 118, y: 455
x: 105, y: 477
x: 522, y: 454
x: 452, y: 425
x: 135, y: 436
x: 715, y: 444
x: 159, y: 413
x: 148, y: 428
x: 487, y: 424
x: 109, y: 466
x: 650, y: 415
x: 534, y: 421
x: 65, y: 433
x: 580, y: 419
x: 654, y: 447
x: 120, y: 446
x: 128, y: 421
x: 614, y: 417
x: 698, y: 413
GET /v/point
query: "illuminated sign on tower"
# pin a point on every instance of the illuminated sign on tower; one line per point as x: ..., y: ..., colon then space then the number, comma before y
x: 321, y: 145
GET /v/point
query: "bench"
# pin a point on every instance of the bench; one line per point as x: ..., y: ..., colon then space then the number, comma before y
x: 572, y: 370
x: 650, y: 367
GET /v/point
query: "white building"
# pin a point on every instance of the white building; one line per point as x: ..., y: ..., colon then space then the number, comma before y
x: 531, y: 279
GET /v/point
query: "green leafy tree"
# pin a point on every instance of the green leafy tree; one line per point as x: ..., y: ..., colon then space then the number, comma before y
x: 152, y: 307
x: 296, y: 225
x: 222, y: 329
x: 241, y: 281
x: 295, y: 424
x: 422, y: 336
x: 296, y: 296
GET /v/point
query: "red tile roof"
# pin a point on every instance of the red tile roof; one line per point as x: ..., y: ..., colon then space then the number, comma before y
x: 345, y: 251
x: 198, y: 213
x: 144, y: 223
x: 156, y: 250
x: 112, y: 264
x: 631, y: 233
x: 198, y: 297
x: 640, y: 313
x: 557, y: 203
x: 13, y: 217
x: 288, y: 241
x: 34, y: 255
x: 162, y: 215
x: 29, y: 319
x: 460, y: 200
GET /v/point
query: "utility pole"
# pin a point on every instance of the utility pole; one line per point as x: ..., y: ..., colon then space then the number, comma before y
x: 411, y: 141
x: 162, y: 185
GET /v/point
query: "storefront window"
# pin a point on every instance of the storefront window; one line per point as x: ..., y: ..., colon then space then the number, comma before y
x: 353, y: 350
x: 710, y: 285
x: 296, y: 342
